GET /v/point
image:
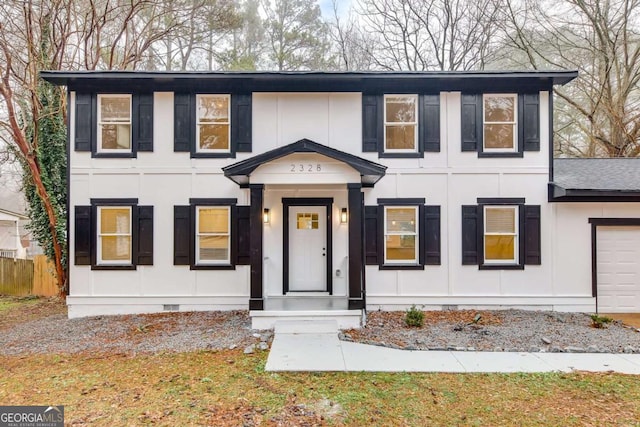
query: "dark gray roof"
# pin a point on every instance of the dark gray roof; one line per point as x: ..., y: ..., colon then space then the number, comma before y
x: 615, y: 174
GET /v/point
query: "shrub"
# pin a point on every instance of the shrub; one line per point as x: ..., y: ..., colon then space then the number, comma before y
x: 414, y: 317
x: 600, y: 322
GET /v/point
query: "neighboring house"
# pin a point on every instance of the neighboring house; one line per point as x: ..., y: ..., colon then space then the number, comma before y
x: 310, y: 194
x: 11, y: 243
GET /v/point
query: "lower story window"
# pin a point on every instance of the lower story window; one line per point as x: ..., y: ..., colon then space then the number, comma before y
x: 114, y: 235
x: 501, y: 234
x: 213, y: 235
x: 401, y: 235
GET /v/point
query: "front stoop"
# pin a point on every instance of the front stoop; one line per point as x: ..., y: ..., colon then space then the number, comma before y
x: 344, y: 319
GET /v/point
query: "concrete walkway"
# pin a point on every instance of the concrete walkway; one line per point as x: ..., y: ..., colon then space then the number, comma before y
x: 319, y: 349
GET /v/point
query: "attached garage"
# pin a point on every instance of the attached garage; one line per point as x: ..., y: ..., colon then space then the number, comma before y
x: 618, y: 269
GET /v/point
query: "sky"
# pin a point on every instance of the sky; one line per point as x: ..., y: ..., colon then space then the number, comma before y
x: 327, y: 8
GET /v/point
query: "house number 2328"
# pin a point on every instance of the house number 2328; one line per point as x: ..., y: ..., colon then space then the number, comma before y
x: 305, y: 167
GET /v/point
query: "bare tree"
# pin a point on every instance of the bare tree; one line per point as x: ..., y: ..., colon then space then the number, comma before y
x: 599, y: 114
x: 353, y: 47
x: 419, y: 35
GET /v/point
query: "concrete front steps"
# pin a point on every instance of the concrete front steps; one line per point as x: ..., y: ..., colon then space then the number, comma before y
x: 344, y: 319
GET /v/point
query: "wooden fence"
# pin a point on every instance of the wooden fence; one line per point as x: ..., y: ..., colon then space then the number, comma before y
x: 44, y: 277
x: 16, y: 276
x: 20, y: 277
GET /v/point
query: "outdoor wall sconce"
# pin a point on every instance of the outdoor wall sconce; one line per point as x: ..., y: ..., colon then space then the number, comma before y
x: 343, y: 216
x: 266, y: 217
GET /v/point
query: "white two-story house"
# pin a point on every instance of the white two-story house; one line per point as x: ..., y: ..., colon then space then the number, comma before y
x: 309, y: 194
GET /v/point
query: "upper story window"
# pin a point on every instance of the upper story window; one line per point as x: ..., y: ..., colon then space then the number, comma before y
x: 401, y: 235
x: 114, y: 123
x: 213, y: 232
x: 501, y: 234
x: 500, y: 122
x: 213, y: 126
x: 114, y: 235
x: 401, y: 123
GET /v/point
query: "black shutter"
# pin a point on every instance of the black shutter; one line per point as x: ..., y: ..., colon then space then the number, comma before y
x: 82, y: 235
x: 241, y: 123
x: 430, y: 123
x: 532, y: 247
x: 244, y: 246
x: 145, y: 235
x: 183, y: 121
x: 142, y: 122
x: 471, y: 118
x: 470, y: 235
x: 431, y: 235
x: 371, y: 235
x: 530, y: 121
x: 181, y: 235
x: 372, y: 125
x: 85, y: 121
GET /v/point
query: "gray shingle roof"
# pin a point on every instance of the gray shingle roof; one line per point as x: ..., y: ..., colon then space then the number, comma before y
x: 617, y: 174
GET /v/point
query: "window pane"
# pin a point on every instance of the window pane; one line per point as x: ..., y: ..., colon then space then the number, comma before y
x: 401, y: 137
x: 213, y: 220
x: 307, y: 221
x: 499, y: 247
x: 401, y: 219
x: 500, y: 220
x: 212, y: 109
x: 214, y: 248
x: 115, y: 220
x: 499, y: 109
x: 214, y: 137
x: 401, y: 248
x: 116, y: 248
x: 400, y: 109
x: 115, y: 109
x: 116, y: 137
x: 498, y: 136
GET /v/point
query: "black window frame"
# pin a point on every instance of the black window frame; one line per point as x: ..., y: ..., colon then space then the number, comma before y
x: 86, y: 123
x: 186, y: 124
x: 529, y: 234
x: 419, y: 203
x: 427, y: 124
x: 236, y: 255
x: 527, y: 123
x: 142, y: 229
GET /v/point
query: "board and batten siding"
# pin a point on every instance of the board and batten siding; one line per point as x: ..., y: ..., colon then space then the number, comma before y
x: 449, y: 178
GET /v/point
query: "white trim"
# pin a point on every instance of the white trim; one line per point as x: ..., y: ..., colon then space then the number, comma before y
x: 226, y: 261
x: 228, y: 123
x: 514, y: 123
x: 414, y: 123
x: 416, y: 234
x: 516, y: 234
x: 99, y: 235
x: 99, y: 148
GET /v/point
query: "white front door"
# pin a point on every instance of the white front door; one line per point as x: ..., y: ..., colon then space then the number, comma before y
x: 307, y: 248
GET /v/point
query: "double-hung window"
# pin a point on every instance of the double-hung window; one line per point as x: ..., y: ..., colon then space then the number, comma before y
x: 500, y: 122
x: 213, y: 235
x: 501, y: 235
x: 400, y: 123
x: 213, y: 126
x: 114, y: 123
x: 401, y: 241
x: 114, y: 235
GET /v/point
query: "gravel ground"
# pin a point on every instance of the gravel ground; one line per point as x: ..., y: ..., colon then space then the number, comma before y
x: 508, y: 330
x: 43, y: 327
x: 131, y: 334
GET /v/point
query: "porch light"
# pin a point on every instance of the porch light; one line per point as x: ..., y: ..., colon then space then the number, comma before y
x: 266, y: 218
x: 343, y: 216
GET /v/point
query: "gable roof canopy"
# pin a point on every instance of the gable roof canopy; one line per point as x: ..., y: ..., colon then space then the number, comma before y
x: 370, y: 172
x: 586, y: 179
x: 310, y: 81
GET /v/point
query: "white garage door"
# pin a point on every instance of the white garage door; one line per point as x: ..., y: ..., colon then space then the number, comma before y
x: 618, y: 269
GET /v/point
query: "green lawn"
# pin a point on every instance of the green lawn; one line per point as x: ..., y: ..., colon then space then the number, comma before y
x: 230, y: 388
